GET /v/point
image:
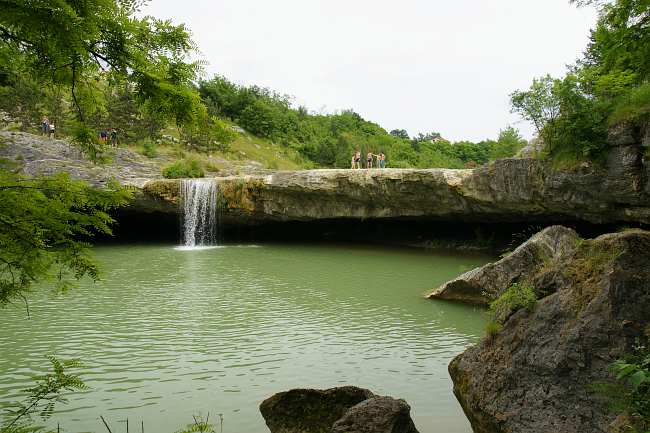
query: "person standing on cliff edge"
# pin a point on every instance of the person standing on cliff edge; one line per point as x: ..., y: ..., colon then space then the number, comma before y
x: 381, y: 160
x: 356, y: 160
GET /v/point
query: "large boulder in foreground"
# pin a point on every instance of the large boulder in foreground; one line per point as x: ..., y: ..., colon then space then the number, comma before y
x: 310, y: 410
x: 377, y: 415
x: 480, y: 285
x: 345, y: 409
x: 537, y: 374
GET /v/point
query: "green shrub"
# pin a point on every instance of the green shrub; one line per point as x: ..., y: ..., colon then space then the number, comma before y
x: 86, y: 139
x: 492, y: 329
x: 183, y: 168
x: 634, y: 372
x: 516, y: 297
x: 149, y: 149
x: 630, y: 393
x: 209, y: 134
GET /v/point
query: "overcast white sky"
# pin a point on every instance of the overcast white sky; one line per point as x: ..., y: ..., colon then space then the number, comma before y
x: 420, y: 65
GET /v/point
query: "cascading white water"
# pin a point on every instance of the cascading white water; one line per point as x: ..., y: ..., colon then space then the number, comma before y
x: 200, y: 218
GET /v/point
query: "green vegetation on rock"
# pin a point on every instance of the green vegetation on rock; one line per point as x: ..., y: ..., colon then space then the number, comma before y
x: 184, y: 168
x: 629, y: 393
x: 634, y: 371
x: 516, y: 297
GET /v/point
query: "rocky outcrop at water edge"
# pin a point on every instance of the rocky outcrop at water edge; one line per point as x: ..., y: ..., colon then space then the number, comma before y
x: 345, y: 409
x: 481, y: 285
x: 537, y: 374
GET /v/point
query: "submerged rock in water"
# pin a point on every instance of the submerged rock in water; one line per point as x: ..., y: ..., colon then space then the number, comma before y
x: 480, y: 285
x: 336, y: 410
x: 536, y: 375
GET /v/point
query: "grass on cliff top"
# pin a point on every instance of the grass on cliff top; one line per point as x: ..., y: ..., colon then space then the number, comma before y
x: 269, y: 154
x: 247, y: 150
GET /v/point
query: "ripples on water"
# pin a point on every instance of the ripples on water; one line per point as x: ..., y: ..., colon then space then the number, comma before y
x: 171, y: 333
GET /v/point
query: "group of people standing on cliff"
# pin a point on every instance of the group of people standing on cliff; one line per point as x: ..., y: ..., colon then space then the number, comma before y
x: 380, y: 163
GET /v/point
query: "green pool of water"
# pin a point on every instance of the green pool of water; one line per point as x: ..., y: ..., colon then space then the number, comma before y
x: 167, y: 333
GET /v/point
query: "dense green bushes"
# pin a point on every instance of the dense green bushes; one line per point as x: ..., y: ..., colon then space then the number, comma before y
x: 184, y: 168
x: 330, y: 140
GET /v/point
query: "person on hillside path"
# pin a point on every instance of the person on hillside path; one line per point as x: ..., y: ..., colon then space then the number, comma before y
x: 114, y: 138
x: 103, y: 136
x: 52, y: 130
x: 45, y: 126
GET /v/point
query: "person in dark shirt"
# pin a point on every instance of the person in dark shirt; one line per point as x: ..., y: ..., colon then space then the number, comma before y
x: 114, y: 137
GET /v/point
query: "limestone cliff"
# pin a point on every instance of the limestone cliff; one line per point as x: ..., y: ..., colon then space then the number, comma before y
x: 508, y: 190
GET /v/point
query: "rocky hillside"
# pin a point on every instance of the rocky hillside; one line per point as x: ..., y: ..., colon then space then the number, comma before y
x: 537, y: 374
x: 38, y: 155
x: 508, y: 190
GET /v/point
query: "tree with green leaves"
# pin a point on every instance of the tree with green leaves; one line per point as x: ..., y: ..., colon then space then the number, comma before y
x: 76, y: 44
x: 48, y: 390
x: 45, y: 225
x: 400, y: 133
x: 508, y: 144
x: 540, y: 104
x: 608, y: 86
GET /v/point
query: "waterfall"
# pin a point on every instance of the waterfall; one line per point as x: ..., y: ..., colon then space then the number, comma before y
x: 200, y: 217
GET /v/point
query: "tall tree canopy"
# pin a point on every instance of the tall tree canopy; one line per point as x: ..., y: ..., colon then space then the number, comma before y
x: 80, y: 47
x: 608, y: 86
x: 71, y: 42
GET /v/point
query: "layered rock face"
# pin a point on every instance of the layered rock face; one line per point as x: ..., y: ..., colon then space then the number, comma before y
x: 345, y: 409
x: 536, y: 375
x: 481, y: 285
x: 41, y: 156
x: 508, y: 190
